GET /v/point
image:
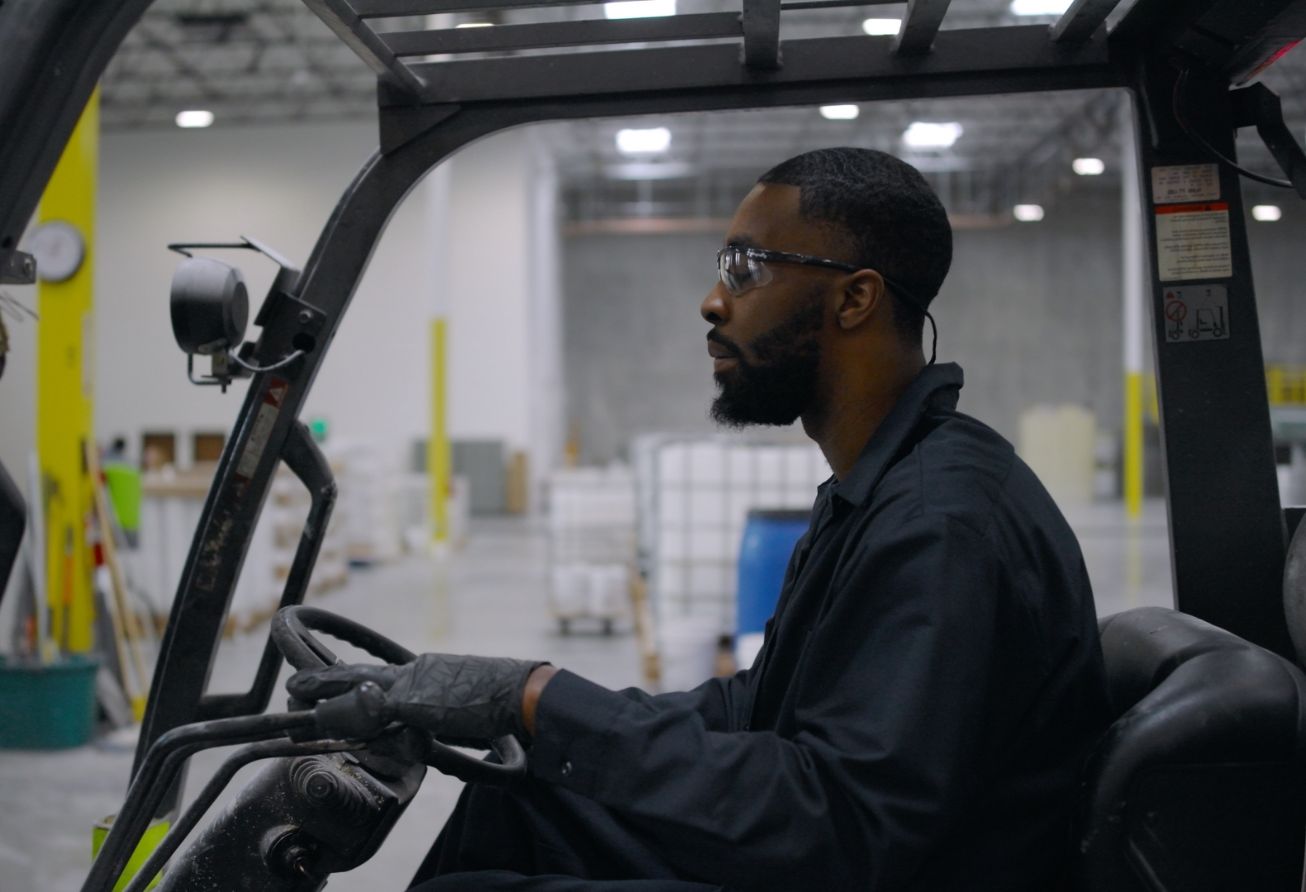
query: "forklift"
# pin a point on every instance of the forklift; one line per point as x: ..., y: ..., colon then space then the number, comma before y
x: 1198, y: 784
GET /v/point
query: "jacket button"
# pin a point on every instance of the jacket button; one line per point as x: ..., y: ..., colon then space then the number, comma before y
x: 566, y: 769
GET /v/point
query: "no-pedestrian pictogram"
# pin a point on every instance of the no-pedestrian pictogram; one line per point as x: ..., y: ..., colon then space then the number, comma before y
x: 1175, y: 309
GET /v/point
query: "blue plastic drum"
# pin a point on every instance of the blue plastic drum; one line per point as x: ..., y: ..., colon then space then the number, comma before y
x: 769, y: 539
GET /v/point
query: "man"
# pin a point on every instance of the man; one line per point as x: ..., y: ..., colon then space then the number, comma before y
x: 931, y: 680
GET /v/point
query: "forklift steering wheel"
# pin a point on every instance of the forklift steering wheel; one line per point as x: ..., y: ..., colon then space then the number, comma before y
x: 292, y: 631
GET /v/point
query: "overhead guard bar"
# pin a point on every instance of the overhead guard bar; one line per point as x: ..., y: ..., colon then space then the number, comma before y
x: 798, y: 5
x: 762, y: 34
x: 964, y: 62
x: 375, y: 9
x: 1082, y: 19
x: 359, y: 37
x: 920, y: 26
x: 556, y: 34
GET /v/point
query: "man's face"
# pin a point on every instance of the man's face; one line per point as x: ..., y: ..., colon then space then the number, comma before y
x: 765, y: 342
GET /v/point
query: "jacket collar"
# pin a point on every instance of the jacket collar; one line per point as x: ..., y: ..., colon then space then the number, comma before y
x: 936, y: 387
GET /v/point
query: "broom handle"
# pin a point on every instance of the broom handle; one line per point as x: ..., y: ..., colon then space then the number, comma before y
x: 126, y: 627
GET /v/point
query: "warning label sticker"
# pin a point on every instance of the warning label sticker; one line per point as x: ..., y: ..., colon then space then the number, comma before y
x: 262, y: 428
x: 1196, y: 313
x: 1185, y: 182
x: 1192, y: 241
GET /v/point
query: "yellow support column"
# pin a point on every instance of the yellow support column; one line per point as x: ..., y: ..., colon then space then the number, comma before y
x: 1134, y: 284
x: 438, y: 459
x: 1134, y: 443
x: 62, y: 245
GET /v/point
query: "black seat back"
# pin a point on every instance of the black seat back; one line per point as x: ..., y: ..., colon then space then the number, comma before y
x: 1198, y: 784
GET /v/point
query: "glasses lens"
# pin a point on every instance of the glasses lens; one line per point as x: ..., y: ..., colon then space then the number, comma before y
x: 739, y: 271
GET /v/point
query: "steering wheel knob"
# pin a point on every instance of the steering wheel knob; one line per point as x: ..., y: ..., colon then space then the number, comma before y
x: 358, y: 713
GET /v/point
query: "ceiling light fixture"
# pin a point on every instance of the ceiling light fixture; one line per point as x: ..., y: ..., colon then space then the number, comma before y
x: 474, y: 25
x: 194, y: 118
x: 840, y: 112
x: 1088, y: 167
x: 1267, y: 213
x: 639, y: 9
x: 1028, y: 213
x: 881, y: 27
x: 932, y: 134
x: 649, y: 170
x: 643, y: 141
x: 1039, y: 7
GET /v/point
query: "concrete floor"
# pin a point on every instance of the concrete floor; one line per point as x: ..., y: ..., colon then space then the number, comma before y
x: 488, y: 598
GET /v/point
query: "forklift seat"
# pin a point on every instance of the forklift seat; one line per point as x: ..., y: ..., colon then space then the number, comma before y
x: 1198, y: 784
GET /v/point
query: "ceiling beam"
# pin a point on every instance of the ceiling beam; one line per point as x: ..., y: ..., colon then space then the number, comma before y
x: 294, y: 37
x: 182, y: 64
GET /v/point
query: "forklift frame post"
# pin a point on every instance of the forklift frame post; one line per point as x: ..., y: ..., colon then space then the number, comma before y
x: 1227, y: 532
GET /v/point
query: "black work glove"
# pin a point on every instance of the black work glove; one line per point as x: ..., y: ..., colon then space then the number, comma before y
x: 458, y: 698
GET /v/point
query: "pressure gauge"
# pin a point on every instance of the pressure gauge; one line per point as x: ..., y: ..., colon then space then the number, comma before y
x: 59, y: 250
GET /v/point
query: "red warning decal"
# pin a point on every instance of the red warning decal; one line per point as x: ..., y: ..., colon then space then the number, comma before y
x: 1202, y: 207
x: 261, y: 429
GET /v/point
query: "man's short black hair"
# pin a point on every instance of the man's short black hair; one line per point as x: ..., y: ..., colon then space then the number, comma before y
x: 895, y: 222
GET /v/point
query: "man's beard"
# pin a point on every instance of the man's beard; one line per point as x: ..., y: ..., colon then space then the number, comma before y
x: 778, y: 384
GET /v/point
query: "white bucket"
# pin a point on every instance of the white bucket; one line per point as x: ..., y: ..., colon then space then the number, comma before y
x: 570, y: 591
x: 609, y: 590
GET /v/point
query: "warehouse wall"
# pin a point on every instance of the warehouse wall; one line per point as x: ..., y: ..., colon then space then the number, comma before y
x: 1031, y: 312
x: 502, y: 282
x: 1279, y: 271
x: 280, y: 184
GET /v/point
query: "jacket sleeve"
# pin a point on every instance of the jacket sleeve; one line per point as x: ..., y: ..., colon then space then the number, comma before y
x: 891, y: 701
x: 722, y: 703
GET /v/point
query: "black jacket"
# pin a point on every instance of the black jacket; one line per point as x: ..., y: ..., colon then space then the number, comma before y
x: 919, y: 712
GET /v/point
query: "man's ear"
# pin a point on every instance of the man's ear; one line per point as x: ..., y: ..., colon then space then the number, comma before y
x: 862, y: 294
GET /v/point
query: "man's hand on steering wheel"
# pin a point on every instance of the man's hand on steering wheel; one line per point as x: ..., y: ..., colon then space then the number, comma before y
x: 457, y: 698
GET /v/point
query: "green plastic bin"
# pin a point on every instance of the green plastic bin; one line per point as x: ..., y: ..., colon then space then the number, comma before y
x: 124, y: 485
x: 47, y: 707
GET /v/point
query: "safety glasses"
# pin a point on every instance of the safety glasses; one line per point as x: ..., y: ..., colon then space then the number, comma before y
x: 743, y: 269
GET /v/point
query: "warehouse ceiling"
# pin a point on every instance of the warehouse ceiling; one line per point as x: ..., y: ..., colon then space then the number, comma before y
x: 274, y: 61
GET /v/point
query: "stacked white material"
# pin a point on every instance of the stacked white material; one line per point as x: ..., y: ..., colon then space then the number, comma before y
x: 413, y: 499
x: 170, y: 511
x: 369, y: 503
x: 591, y: 523
x: 1058, y: 443
x: 286, y: 512
x: 696, y: 494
